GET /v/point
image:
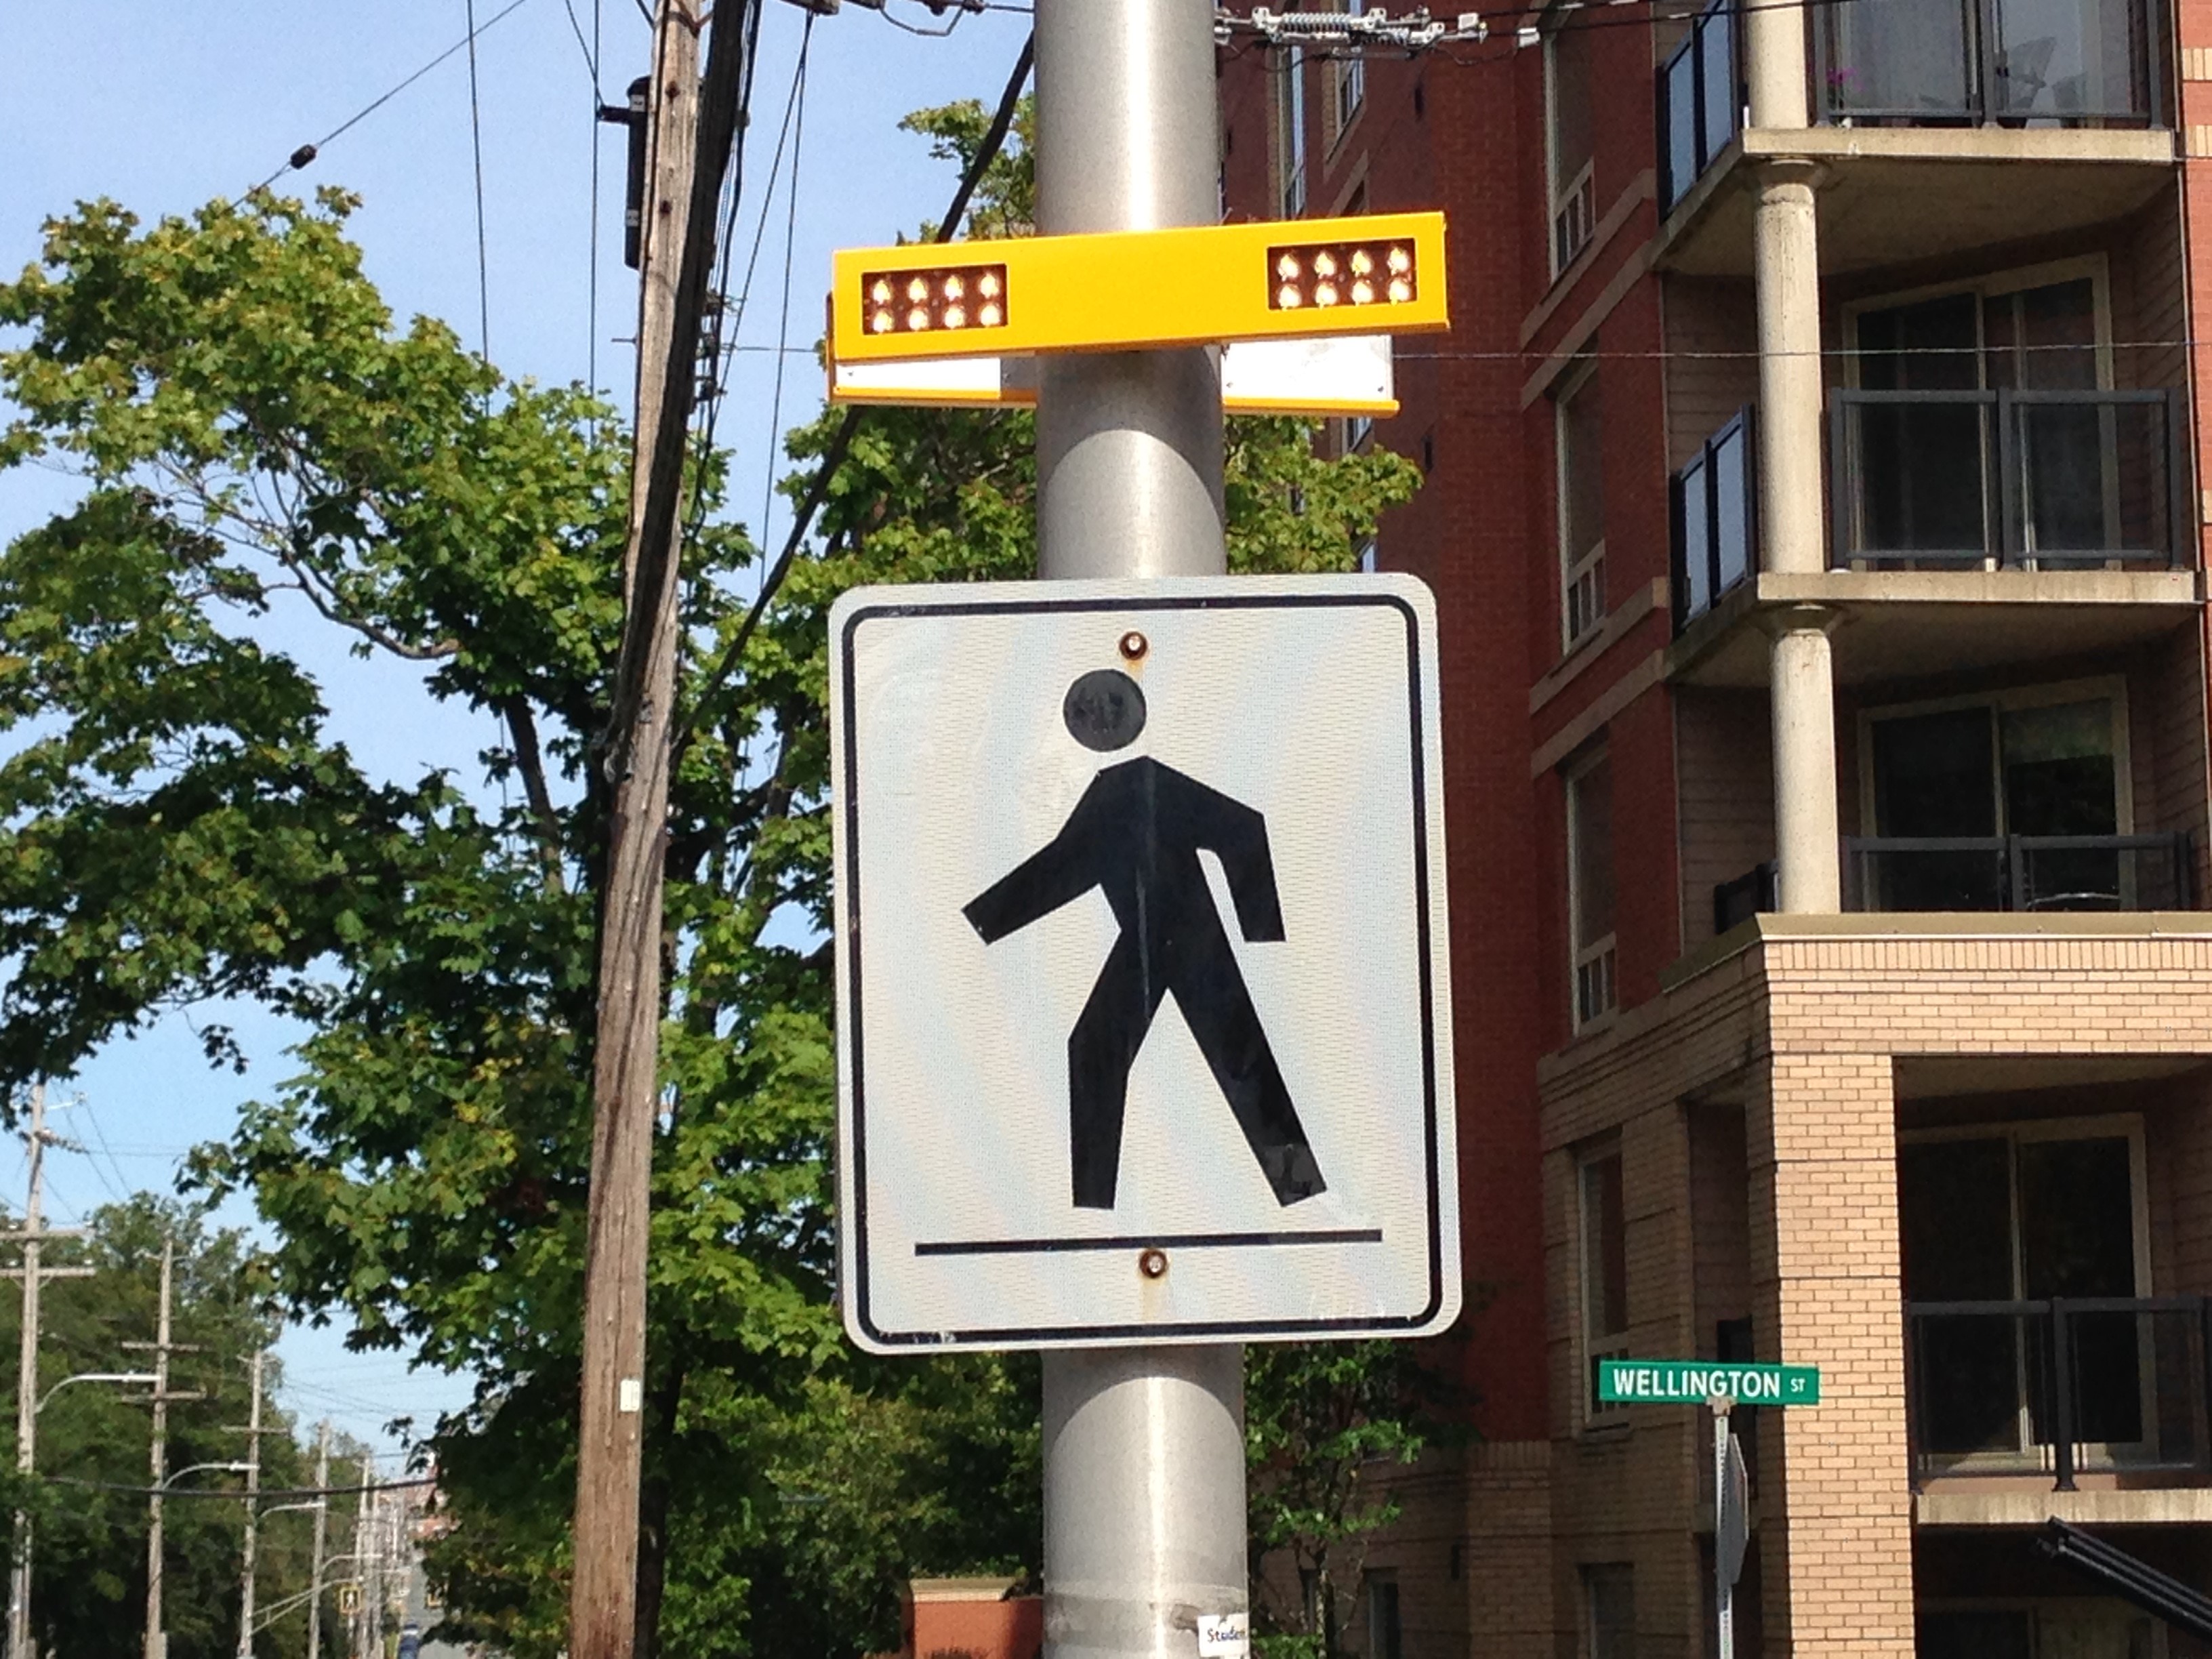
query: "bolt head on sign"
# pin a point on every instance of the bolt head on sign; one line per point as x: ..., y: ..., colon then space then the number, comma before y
x: 1143, y: 1001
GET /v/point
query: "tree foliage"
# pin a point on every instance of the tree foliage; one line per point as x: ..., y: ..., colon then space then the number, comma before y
x: 261, y: 445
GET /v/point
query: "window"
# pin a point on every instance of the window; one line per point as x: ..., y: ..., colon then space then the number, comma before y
x: 2026, y: 1212
x: 1569, y: 148
x: 1609, y: 1611
x: 1590, y: 888
x: 2047, y: 765
x: 1358, y: 428
x: 1290, y: 109
x: 1386, y: 1637
x: 1351, y: 76
x: 1579, y: 421
x: 1982, y: 426
x: 1604, y: 1262
x: 1363, y: 560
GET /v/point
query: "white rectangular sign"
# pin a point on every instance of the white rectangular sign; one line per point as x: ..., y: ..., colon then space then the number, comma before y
x: 1142, y: 1006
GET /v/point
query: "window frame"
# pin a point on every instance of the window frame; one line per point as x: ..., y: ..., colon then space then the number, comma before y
x: 2111, y: 688
x: 1580, y: 573
x: 1290, y: 133
x: 1349, y: 94
x: 1588, y: 1572
x: 2092, y: 1126
x: 1990, y: 286
x: 1601, y: 956
x: 1594, y: 1345
x: 1377, y: 1625
x: 1571, y: 205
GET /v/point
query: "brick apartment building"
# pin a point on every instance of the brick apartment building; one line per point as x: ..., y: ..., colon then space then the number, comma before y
x: 1813, y: 510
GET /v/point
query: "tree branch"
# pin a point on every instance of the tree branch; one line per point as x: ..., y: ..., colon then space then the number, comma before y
x: 530, y: 761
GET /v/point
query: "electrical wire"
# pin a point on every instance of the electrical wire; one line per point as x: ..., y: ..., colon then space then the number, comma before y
x: 590, y: 54
x: 790, y: 244
x: 476, y: 144
x: 592, y: 272
x: 231, y: 1494
x: 841, y: 442
x: 307, y: 153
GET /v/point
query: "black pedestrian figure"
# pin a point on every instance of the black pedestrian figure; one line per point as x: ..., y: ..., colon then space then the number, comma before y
x: 1136, y: 833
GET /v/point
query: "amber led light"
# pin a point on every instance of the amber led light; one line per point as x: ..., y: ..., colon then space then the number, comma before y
x: 921, y: 301
x: 1320, y: 275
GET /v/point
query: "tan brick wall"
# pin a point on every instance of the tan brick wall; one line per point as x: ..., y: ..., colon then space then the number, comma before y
x: 1471, y: 1551
x: 1838, y: 1540
x: 1799, y: 1033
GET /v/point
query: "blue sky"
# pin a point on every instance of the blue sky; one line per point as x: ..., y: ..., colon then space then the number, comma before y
x: 164, y: 104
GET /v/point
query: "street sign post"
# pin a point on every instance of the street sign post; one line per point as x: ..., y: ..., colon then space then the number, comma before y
x: 1143, y: 1007
x: 1721, y: 1385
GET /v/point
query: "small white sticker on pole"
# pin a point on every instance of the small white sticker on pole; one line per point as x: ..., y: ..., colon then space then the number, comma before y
x: 1224, y: 1635
x: 630, y: 1395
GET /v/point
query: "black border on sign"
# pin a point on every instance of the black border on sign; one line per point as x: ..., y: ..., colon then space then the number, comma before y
x: 848, y: 873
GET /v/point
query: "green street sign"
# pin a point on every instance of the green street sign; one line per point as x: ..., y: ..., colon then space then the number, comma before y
x: 1694, y: 1381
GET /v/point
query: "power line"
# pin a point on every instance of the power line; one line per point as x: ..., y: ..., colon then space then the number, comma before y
x: 790, y: 242
x: 230, y: 1495
x: 590, y: 52
x: 841, y: 442
x: 307, y: 153
x: 476, y: 144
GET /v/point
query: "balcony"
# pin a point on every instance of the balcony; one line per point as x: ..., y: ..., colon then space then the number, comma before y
x: 2112, y: 1388
x: 1983, y: 479
x: 1700, y: 102
x: 2014, y: 63
x: 1922, y: 112
x: 2027, y: 874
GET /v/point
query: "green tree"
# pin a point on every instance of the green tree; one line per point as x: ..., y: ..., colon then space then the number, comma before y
x: 88, y: 1582
x: 254, y: 431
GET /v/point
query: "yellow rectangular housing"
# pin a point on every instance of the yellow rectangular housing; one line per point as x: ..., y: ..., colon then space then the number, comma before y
x: 1122, y: 290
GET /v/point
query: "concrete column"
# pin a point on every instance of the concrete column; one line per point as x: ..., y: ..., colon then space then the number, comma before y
x: 1775, y: 64
x: 1793, y: 533
x: 1803, y: 711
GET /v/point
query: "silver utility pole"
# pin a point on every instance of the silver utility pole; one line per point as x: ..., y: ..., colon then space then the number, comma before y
x: 1144, y: 1473
x: 252, y: 1512
x: 36, y: 1139
x: 364, y: 1544
x: 322, y: 1541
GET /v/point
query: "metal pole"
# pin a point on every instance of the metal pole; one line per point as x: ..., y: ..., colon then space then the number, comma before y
x: 252, y: 1516
x: 1144, y: 1470
x: 1723, y: 1589
x: 364, y: 1552
x: 158, y: 1460
x: 322, y: 1541
x: 27, y: 1380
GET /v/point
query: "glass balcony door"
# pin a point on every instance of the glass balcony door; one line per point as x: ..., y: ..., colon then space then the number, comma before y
x: 2024, y: 1214
x: 2010, y: 63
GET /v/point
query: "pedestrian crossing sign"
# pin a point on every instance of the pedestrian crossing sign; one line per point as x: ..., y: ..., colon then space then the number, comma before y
x: 1143, y: 1000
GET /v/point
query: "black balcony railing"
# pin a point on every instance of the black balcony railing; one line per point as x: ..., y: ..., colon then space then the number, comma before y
x: 1750, y: 894
x: 2064, y: 479
x: 2016, y: 872
x: 1715, y: 520
x: 2010, y: 63
x: 2074, y: 1385
x: 1700, y: 101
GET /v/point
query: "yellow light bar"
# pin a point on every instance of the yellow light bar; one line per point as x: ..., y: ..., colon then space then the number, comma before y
x: 1122, y: 290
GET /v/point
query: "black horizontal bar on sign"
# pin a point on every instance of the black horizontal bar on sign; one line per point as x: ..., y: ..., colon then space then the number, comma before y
x: 1147, y: 1241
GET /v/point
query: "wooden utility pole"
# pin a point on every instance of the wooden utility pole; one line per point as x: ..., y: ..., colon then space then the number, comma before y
x: 157, y: 1641
x: 252, y: 1512
x: 625, y: 1084
x: 33, y: 1232
x: 690, y: 127
x: 322, y: 1541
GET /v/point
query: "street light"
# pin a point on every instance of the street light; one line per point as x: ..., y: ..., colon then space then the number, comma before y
x: 126, y: 1377
x: 168, y: 1480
